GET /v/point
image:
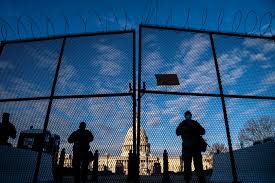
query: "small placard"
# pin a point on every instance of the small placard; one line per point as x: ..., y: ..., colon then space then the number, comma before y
x: 167, y: 79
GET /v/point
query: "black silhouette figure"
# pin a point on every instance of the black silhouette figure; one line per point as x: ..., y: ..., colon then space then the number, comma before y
x: 60, y: 167
x: 191, y: 132
x: 7, y: 130
x: 81, y: 156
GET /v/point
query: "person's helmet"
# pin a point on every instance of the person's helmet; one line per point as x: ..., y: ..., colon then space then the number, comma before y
x: 6, y: 116
x: 187, y: 113
x: 82, y: 125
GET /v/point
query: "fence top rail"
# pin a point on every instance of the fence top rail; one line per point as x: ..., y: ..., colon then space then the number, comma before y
x: 159, y: 92
x: 67, y: 97
x: 68, y: 36
x: 207, y: 32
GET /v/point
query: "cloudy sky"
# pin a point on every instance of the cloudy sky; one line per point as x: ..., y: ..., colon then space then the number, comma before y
x: 103, y: 64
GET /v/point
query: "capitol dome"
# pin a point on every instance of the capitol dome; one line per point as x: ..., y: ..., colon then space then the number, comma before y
x: 128, y: 143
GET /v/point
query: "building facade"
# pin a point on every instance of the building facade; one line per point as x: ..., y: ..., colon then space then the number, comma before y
x: 147, y: 159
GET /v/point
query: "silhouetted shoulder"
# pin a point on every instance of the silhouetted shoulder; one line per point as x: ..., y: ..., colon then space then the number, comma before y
x: 89, y: 135
x: 179, y: 129
x: 12, y: 130
x: 72, y: 137
x: 199, y: 128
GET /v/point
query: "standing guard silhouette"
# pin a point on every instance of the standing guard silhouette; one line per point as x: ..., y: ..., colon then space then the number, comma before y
x: 81, y: 156
x: 7, y: 130
x: 191, y: 132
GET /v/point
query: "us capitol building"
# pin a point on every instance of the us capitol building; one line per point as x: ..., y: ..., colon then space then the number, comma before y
x: 147, y: 159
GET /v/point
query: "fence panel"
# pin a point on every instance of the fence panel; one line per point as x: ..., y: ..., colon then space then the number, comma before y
x: 94, y: 84
x: 246, y: 68
x: 27, y: 68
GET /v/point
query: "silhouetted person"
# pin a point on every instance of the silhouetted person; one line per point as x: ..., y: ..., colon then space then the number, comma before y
x: 7, y: 130
x: 60, y: 166
x: 190, y: 132
x: 81, y: 139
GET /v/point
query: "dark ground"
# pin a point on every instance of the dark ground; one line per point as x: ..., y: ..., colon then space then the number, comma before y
x: 145, y: 179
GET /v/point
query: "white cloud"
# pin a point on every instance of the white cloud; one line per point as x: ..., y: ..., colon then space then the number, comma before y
x: 22, y: 87
x: 270, y: 79
x: 67, y: 79
x: 4, y: 65
x: 152, y: 115
x: 45, y: 56
x: 258, y: 91
x: 231, y: 67
x: 110, y: 59
x: 266, y: 66
x: 258, y: 57
x: 173, y: 109
x: 265, y: 46
x: 152, y: 62
x: 191, y: 50
x: 118, y: 110
x: 110, y: 69
x: 149, y: 40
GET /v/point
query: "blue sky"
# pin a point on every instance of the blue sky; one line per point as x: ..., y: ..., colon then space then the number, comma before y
x: 68, y: 16
x: 103, y: 64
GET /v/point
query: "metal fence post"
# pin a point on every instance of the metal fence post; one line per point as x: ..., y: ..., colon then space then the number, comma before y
x: 131, y: 169
x: 134, y: 153
x: 232, y: 159
x: 139, y: 102
x: 166, y: 177
x: 2, y: 44
x: 95, y: 167
x: 39, y: 156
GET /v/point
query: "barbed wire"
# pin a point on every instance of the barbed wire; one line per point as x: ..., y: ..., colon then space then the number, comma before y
x: 28, y: 26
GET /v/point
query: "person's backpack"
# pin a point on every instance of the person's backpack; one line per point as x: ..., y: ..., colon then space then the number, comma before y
x: 91, y: 156
x: 202, y: 144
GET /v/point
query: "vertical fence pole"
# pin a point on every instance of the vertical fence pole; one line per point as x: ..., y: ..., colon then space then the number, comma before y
x: 232, y: 159
x: 134, y: 152
x: 39, y: 156
x: 139, y: 98
x: 134, y: 95
x: 95, y: 167
x: 166, y: 176
x: 1, y: 47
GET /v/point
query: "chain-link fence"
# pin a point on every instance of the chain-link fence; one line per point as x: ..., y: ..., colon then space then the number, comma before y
x: 49, y: 86
x: 227, y: 81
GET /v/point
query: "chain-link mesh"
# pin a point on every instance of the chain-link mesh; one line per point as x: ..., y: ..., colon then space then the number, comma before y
x: 188, y: 55
x: 109, y: 120
x: 87, y: 71
x: 161, y: 114
x: 28, y: 68
x: 245, y: 66
x: 251, y: 125
x: 92, y: 85
x: 14, y: 161
x: 96, y: 65
x: 25, y: 114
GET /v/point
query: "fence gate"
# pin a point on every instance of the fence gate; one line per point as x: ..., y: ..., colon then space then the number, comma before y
x: 48, y: 86
x: 227, y: 81
x: 51, y: 85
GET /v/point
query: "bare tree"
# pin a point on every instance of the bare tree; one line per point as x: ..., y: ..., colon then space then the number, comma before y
x: 217, y: 148
x: 257, y: 129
